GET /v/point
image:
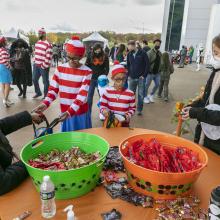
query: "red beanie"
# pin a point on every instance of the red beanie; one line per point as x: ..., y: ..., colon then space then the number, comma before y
x: 41, y: 31
x: 75, y: 46
x: 2, y: 39
x: 117, y: 68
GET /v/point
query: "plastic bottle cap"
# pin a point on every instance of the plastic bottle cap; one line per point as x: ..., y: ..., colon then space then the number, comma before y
x: 46, y: 178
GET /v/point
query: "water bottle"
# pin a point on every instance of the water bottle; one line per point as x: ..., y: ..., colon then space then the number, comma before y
x: 47, y: 194
x: 214, y: 205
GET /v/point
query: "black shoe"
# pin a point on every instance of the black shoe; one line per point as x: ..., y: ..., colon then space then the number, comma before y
x: 36, y: 96
x: 139, y: 113
x: 20, y: 93
x: 24, y: 96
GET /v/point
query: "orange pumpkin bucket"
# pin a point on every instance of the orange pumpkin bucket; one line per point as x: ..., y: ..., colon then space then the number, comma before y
x: 162, y: 185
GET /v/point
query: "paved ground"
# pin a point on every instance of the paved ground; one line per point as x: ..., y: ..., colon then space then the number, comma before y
x: 184, y: 83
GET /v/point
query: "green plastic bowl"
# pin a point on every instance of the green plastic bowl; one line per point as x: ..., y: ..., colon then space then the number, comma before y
x: 68, y: 183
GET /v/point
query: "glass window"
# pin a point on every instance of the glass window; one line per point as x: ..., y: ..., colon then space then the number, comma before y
x: 174, y: 26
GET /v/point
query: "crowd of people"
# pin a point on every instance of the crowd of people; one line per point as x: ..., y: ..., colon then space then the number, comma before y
x: 135, y: 67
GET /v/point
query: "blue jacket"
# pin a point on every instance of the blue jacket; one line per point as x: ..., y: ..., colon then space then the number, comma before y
x: 139, y: 65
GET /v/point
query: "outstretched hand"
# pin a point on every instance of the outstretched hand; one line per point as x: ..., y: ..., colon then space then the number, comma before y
x: 36, y: 118
x: 64, y: 116
x: 40, y: 108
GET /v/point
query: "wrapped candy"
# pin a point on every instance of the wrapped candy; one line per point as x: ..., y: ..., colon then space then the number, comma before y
x: 155, y: 156
x: 181, y: 209
x: 64, y: 160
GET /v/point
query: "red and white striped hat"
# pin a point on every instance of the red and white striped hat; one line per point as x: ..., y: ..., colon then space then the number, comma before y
x: 117, y: 68
x: 41, y: 31
x: 75, y: 46
x: 2, y: 39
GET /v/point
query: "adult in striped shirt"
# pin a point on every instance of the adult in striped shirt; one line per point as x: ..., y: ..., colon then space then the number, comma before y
x: 5, y: 73
x: 118, y: 99
x: 71, y: 82
x: 42, y: 61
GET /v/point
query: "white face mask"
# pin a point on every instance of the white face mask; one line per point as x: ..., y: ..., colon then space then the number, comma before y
x: 215, y: 62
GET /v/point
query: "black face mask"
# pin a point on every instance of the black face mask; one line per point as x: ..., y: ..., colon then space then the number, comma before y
x: 157, y: 47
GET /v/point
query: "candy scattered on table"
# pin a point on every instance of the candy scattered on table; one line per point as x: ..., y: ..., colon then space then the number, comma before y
x: 23, y: 216
x: 113, y: 160
x: 155, y: 156
x: 121, y: 190
x: 64, y: 160
x: 112, y: 215
x: 180, y: 209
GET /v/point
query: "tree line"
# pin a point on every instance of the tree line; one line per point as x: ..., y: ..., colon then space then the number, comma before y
x: 60, y: 37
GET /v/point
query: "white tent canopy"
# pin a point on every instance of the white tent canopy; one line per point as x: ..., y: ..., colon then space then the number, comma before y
x: 12, y: 34
x: 96, y: 37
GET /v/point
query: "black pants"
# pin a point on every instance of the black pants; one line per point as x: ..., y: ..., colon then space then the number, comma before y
x: 20, y: 79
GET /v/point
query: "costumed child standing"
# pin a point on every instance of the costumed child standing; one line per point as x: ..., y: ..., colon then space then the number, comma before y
x: 117, y: 99
x: 71, y: 82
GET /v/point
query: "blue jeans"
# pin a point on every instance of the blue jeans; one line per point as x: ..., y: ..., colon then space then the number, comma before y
x: 37, y: 73
x: 93, y: 85
x: 132, y: 85
x: 156, y: 79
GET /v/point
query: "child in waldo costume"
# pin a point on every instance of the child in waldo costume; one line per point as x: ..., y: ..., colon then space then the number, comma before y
x: 71, y: 82
x: 117, y: 99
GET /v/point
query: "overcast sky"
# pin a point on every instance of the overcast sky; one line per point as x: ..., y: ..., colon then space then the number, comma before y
x: 122, y: 16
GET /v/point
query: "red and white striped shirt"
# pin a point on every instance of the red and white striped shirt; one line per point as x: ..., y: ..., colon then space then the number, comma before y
x: 72, y: 85
x: 4, y: 57
x: 43, y: 54
x: 118, y: 102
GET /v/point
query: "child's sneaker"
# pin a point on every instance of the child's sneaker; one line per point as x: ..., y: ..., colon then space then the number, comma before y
x: 151, y: 98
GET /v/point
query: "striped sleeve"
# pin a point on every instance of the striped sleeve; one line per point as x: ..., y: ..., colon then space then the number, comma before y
x: 132, y: 107
x: 104, y: 103
x: 82, y: 95
x: 48, y: 57
x: 53, y: 89
x: 5, y: 58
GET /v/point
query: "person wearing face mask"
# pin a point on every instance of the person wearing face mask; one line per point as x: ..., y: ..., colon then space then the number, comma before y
x: 138, y: 69
x: 42, y: 61
x: 155, y: 69
x: 118, y: 99
x: 71, y: 82
x: 207, y: 109
x: 98, y: 62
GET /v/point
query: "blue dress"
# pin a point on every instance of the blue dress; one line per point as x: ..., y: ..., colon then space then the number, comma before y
x: 5, y: 75
x: 77, y: 122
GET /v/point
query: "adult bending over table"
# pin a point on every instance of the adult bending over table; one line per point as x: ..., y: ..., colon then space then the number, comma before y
x: 71, y: 82
x: 12, y: 174
x: 207, y: 109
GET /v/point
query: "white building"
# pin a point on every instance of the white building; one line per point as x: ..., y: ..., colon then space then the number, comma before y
x: 190, y: 22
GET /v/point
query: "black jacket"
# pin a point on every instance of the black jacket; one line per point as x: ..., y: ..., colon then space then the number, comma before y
x: 139, y: 65
x: 112, y: 52
x: 98, y: 70
x: 199, y: 112
x: 11, y: 175
x: 27, y: 61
